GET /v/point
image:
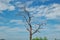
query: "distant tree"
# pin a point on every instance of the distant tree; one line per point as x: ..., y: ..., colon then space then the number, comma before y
x: 45, y: 38
x: 41, y: 38
x: 2, y: 39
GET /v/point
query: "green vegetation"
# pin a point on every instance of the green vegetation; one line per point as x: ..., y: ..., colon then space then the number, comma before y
x: 45, y: 38
x: 36, y: 38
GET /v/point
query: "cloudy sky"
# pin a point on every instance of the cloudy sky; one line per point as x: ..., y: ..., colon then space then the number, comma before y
x: 12, y: 26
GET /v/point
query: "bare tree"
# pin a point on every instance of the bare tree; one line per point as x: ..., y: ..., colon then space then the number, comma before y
x: 28, y: 18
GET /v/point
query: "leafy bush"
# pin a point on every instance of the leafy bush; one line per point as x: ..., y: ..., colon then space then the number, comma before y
x: 45, y: 38
x: 36, y: 38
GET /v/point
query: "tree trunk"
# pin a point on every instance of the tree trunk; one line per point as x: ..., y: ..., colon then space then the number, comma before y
x: 30, y: 36
x: 30, y: 33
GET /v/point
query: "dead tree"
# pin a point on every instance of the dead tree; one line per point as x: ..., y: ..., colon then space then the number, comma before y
x: 28, y: 18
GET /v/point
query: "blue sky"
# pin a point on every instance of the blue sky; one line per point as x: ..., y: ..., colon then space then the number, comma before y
x: 12, y: 26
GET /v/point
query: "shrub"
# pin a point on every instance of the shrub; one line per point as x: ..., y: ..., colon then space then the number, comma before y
x: 45, y: 38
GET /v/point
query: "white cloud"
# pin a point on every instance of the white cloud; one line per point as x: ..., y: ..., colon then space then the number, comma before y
x: 4, y: 5
x: 5, y: 1
x: 53, y: 12
x: 50, y: 12
x: 20, y: 4
x: 44, y: 0
x: 57, y: 27
x: 28, y: 3
x: 11, y: 8
x: 17, y: 21
x: 3, y: 27
x: 30, y: 9
x: 52, y: 28
x: 37, y: 11
x: 7, y: 32
x: 14, y: 29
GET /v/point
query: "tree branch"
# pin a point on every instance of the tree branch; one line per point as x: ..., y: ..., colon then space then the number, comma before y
x: 27, y: 29
x: 37, y: 30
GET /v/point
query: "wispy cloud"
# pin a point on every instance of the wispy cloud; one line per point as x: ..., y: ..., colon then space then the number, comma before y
x: 16, y: 21
x: 4, y: 5
x: 7, y: 32
x: 47, y: 11
x: 53, y: 12
x: 44, y: 0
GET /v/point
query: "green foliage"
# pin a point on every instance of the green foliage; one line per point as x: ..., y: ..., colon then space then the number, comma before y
x: 36, y: 38
x: 41, y: 38
x: 45, y: 38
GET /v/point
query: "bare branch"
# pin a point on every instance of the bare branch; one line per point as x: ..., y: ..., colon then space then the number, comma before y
x: 27, y: 29
x: 29, y: 18
x: 37, y: 30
